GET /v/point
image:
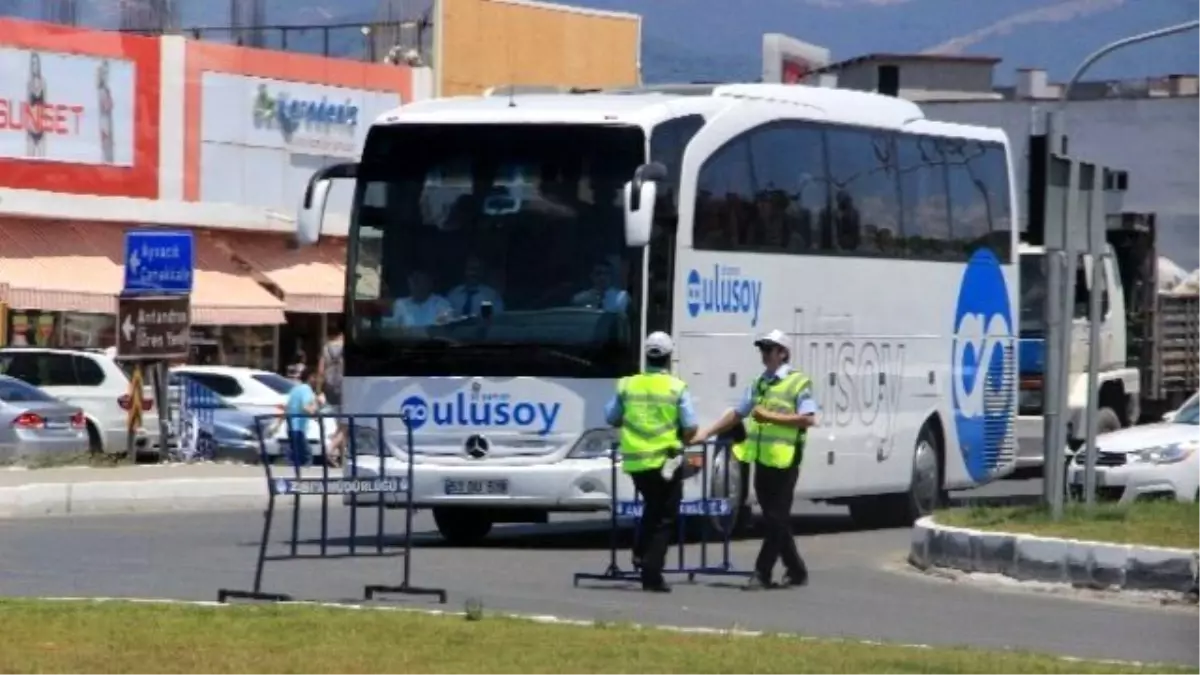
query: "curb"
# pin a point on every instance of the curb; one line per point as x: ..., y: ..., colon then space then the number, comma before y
x: 1025, y: 557
x: 132, y: 496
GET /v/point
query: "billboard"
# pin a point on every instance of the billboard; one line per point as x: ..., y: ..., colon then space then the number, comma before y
x: 66, y: 107
x: 480, y: 44
x: 257, y: 123
x: 79, y: 110
x: 787, y: 60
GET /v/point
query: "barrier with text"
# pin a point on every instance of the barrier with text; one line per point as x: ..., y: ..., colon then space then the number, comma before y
x: 361, y: 436
x: 707, y: 506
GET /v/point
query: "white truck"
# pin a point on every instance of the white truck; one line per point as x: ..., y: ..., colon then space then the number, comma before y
x: 508, y: 255
x: 1149, y: 360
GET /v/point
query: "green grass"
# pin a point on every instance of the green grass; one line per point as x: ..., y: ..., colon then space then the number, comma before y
x: 1155, y: 523
x: 123, y: 637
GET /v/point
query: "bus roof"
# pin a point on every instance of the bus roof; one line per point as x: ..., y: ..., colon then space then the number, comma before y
x: 648, y: 106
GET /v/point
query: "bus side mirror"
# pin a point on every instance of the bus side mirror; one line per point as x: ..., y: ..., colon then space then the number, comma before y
x: 316, y: 196
x: 641, y: 195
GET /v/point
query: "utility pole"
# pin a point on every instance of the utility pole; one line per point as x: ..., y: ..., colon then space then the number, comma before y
x: 1061, y: 270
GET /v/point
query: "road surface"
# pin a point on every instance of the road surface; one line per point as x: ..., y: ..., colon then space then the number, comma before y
x: 855, y: 589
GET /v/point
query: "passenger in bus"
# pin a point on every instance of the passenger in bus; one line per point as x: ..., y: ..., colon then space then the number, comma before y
x: 603, y: 294
x: 467, y: 297
x: 422, y: 307
x: 777, y: 410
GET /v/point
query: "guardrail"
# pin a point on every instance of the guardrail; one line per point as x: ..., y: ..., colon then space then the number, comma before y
x: 297, y: 486
x: 706, y: 506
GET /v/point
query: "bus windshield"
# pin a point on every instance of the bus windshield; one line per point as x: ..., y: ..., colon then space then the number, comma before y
x: 494, y: 250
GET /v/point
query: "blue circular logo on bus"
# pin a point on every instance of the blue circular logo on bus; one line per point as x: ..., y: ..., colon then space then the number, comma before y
x: 982, y: 390
x: 417, y: 411
x: 695, y: 293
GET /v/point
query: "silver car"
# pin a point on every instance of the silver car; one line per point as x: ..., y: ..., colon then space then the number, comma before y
x: 34, y: 424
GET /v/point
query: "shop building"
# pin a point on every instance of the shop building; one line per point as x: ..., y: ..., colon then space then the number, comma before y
x: 140, y: 132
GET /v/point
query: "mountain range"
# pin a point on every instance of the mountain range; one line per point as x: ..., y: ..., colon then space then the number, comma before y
x: 720, y: 40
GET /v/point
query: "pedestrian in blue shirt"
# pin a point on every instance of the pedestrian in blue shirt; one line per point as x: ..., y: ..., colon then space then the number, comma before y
x: 301, y: 403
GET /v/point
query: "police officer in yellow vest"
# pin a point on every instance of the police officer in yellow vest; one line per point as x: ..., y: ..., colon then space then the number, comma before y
x: 778, y: 408
x: 656, y: 417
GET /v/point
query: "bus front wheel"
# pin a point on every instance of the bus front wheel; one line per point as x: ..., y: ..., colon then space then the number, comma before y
x: 904, y: 508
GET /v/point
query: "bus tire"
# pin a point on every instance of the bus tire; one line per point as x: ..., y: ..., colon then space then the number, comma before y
x: 924, y: 493
x: 739, y: 492
x: 462, y: 526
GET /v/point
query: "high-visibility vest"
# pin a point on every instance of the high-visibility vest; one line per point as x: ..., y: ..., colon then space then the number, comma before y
x: 774, y: 445
x: 649, y: 419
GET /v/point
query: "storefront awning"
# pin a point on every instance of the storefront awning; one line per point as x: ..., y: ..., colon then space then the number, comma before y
x: 49, y: 265
x: 74, y: 266
x: 226, y: 295
x: 312, y: 278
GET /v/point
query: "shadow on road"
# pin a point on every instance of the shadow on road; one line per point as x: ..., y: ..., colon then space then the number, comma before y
x: 566, y: 536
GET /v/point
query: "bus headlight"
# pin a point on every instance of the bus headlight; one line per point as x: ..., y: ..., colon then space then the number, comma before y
x: 594, y: 444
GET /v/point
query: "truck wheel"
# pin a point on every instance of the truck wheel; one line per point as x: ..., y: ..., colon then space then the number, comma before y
x: 1107, y: 420
x: 461, y: 526
x: 904, y: 508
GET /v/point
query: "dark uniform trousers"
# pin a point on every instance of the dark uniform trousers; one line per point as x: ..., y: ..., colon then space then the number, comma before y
x: 776, y: 489
x: 660, y: 513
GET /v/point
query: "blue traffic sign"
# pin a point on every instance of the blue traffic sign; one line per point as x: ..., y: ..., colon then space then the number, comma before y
x: 159, y: 261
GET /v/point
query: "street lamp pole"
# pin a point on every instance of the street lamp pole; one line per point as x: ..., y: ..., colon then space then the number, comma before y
x: 1095, y: 249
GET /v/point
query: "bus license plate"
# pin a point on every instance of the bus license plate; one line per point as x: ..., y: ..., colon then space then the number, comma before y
x: 476, y: 487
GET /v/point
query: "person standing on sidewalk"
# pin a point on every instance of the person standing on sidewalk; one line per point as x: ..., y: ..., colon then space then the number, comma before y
x: 656, y: 418
x: 778, y: 408
x: 301, y: 403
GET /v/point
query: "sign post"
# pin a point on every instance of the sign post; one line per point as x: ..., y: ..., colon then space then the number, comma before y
x: 154, y: 319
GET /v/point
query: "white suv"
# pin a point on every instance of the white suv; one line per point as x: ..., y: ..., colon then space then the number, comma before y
x: 94, y: 382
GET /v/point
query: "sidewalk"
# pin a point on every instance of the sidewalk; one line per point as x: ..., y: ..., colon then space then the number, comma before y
x: 134, y: 489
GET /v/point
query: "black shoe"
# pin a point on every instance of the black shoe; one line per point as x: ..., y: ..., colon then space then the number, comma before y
x: 792, y: 580
x: 757, y: 582
x: 656, y: 587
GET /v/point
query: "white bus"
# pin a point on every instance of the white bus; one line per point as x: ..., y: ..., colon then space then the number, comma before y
x: 881, y: 242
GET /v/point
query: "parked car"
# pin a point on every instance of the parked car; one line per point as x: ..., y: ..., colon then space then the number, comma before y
x: 92, y: 381
x: 1150, y: 460
x: 248, y: 400
x: 35, y: 424
x: 245, y: 388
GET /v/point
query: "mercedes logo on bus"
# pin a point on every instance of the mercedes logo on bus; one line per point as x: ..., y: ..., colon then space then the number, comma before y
x: 477, y: 446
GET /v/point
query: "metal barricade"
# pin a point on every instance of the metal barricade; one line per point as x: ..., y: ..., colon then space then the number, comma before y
x: 349, y: 486
x: 706, y: 507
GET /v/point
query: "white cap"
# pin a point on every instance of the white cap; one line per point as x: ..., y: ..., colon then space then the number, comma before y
x: 659, y: 343
x: 775, y: 337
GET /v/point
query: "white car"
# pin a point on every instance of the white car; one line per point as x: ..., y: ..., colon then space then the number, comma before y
x: 92, y: 381
x: 260, y: 392
x: 1151, y: 460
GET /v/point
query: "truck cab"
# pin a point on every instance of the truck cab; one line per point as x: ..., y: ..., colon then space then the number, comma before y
x: 1119, y: 384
